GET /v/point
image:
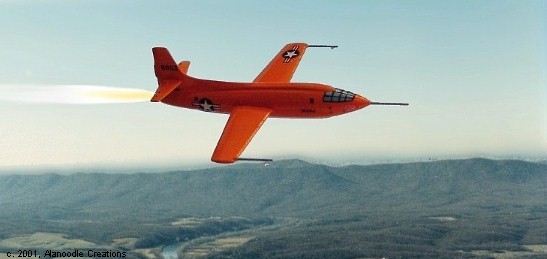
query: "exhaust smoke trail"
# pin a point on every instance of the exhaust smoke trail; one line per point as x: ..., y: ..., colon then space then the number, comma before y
x: 73, y: 94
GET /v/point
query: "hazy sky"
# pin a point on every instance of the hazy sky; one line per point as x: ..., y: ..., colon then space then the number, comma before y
x: 473, y: 71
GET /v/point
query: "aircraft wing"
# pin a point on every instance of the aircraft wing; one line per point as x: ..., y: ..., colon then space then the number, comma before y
x: 283, y: 65
x: 242, y: 125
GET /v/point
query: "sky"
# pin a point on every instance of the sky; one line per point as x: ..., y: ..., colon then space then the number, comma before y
x: 474, y: 73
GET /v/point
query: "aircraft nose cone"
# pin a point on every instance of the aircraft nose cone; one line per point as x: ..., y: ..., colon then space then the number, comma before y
x: 361, y: 101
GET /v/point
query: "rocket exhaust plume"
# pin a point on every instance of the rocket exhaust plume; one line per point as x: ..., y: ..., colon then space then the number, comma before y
x: 73, y: 94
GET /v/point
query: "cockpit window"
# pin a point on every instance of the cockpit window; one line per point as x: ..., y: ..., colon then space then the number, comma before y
x: 338, y: 95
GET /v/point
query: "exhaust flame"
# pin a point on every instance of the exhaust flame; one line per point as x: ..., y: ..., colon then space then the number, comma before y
x: 74, y: 94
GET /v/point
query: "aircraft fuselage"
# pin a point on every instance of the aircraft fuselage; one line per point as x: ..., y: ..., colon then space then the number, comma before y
x: 286, y: 100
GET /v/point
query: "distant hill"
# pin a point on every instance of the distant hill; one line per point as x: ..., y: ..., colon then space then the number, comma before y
x: 290, y: 208
x: 284, y: 188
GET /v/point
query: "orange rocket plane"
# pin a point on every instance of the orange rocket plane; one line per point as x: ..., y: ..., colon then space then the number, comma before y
x: 271, y: 94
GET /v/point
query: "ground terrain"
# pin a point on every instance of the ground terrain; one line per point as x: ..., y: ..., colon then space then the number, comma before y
x: 442, y: 209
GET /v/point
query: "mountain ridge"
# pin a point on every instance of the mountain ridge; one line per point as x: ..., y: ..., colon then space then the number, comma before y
x: 288, y: 187
x: 259, y: 189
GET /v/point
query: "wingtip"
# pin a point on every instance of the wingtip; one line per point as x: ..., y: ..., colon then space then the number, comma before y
x: 223, y: 161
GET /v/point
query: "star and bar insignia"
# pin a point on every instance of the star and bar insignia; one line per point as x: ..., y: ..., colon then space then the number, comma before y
x: 206, y: 105
x: 289, y: 54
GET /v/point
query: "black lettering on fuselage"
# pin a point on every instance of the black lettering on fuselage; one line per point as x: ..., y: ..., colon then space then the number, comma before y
x: 307, y: 110
x: 169, y: 67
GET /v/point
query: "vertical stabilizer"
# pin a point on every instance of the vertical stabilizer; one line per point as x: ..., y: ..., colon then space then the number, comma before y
x: 168, y: 73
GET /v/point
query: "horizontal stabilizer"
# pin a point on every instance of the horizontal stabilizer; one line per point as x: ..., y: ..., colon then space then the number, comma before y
x: 165, y: 88
x: 183, y: 66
